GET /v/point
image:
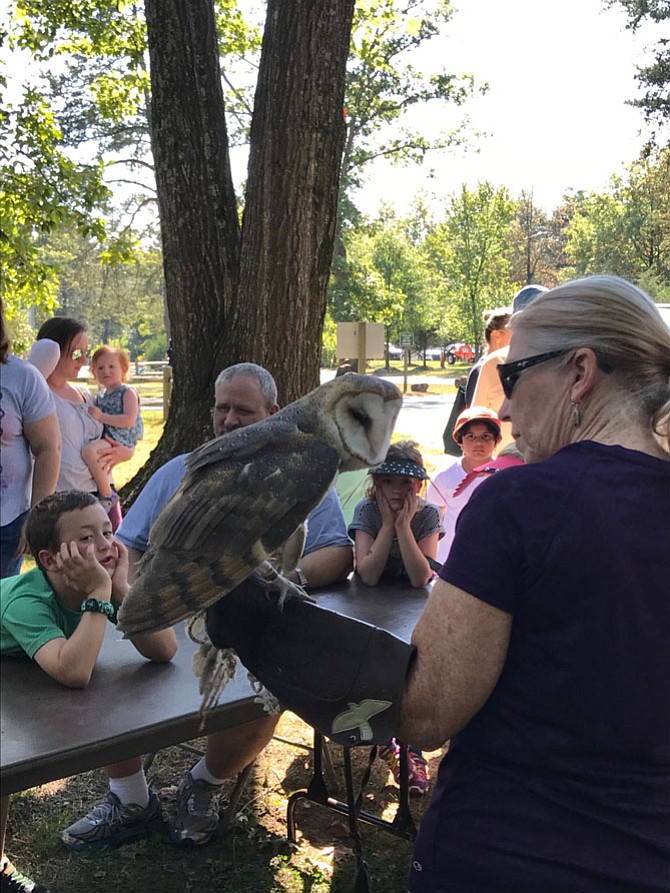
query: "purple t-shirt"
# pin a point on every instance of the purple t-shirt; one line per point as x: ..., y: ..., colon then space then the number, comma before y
x: 562, y: 780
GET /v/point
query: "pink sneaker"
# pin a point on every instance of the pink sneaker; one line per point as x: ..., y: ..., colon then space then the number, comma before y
x: 418, y: 774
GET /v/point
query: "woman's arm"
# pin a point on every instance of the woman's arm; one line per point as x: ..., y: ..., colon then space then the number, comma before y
x: 126, y: 419
x: 113, y: 453
x: 461, y: 649
x: 44, y: 440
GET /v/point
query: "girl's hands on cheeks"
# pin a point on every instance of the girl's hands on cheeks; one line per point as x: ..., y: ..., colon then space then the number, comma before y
x: 387, y: 513
x: 120, y: 575
x: 82, y: 571
x: 407, y: 512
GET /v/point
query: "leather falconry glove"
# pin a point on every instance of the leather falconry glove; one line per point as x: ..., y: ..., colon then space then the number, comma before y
x: 342, y: 676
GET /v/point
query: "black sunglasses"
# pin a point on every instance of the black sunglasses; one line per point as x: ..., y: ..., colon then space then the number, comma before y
x: 509, y: 372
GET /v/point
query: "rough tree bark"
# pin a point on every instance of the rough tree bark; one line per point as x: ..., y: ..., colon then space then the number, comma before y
x: 256, y: 292
x: 297, y: 140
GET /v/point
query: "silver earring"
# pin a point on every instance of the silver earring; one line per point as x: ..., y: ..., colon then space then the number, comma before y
x: 576, y: 415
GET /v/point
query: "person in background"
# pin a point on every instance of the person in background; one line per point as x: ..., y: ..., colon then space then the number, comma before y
x: 477, y: 432
x: 396, y: 534
x: 72, y: 402
x: 118, y: 409
x: 244, y: 394
x: 28, y: 431
x: 57, y: 613
x: 497, y: 336
x: 488, y: 391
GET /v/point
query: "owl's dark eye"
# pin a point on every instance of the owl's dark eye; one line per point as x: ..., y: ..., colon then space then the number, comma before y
x: 362, y: 418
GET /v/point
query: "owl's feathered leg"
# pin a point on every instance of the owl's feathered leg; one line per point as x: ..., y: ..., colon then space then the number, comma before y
x: 272, y: 579
x: 214, y: 667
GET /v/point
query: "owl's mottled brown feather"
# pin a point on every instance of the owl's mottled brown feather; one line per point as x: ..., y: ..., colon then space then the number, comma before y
x: 245, y: 493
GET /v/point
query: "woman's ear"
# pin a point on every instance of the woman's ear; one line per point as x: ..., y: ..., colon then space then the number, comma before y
x: 584, y: 368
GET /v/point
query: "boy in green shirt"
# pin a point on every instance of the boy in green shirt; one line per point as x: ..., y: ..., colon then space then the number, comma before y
x: 57, y: 615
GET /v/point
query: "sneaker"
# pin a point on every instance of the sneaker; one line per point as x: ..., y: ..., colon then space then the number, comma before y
x: 418, y: 773
x: 390, y: 753
x: 197, y: 816
x: 111, y: 823
x: 12, y: 881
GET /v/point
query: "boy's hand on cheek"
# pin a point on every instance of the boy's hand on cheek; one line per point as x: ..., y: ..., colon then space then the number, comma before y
x: 83, y: 572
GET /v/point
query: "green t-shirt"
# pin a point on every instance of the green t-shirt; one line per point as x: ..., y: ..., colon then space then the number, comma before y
x: 31, y: 615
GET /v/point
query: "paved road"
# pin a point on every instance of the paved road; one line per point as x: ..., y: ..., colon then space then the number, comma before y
x: 423, y: 417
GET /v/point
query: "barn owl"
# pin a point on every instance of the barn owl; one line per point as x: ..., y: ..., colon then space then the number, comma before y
x: 246, y: 493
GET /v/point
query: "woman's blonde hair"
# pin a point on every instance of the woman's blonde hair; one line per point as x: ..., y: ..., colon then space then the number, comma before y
x: 623, y: 327
x: 124, y: 359
x: 402, y: 451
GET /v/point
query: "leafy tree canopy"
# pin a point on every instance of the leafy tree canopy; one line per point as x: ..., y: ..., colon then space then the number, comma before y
x: 655, y: 77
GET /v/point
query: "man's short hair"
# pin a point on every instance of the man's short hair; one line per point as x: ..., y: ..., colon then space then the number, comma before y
x: 265, y: 380
x: 42, y: 527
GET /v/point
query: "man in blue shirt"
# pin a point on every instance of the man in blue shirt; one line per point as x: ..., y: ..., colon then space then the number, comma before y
x: 244, y: 394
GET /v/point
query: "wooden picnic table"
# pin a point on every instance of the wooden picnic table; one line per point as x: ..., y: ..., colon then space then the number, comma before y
x: 133, y: 706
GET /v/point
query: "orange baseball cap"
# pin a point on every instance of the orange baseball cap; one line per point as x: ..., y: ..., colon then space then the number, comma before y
x: 477, y: 414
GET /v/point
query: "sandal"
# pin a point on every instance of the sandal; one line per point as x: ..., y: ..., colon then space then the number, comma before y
x: 108, y: 502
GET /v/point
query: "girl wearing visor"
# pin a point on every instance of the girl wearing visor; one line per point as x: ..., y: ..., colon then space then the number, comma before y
x: 395, y: 533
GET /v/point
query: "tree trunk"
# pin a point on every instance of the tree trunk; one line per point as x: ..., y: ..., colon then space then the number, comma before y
x: 198, y: 212
x: 258, y: 293
x: 297, y: 139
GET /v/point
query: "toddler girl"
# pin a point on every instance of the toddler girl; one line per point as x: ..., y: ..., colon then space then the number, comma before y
x: 395, y: 533
x: 118, y: 408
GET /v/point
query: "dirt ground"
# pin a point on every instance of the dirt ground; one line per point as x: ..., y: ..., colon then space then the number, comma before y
x: 252, y: 854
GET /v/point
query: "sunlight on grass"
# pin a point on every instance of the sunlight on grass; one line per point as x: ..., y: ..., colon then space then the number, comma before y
x: 153, y: 428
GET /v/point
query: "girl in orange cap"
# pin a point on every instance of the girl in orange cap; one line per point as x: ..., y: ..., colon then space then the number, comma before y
x: 477, y: 432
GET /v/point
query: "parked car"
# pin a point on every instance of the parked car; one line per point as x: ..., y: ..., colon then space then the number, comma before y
x: 395, y: 353
x: 459, y: 352
x: 434, y: 353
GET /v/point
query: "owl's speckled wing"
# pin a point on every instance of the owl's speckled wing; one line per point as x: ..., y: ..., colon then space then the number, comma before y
x: 246, y: 492
x: 234, y: 507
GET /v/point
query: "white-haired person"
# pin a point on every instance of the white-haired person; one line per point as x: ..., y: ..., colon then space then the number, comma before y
x: 243, y: 394
x: 542, y: 653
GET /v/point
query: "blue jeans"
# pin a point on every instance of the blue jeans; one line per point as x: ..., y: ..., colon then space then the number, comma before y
x: 10, y: 535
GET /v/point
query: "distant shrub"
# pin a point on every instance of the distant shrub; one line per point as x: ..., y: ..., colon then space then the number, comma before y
x: 154, y: 348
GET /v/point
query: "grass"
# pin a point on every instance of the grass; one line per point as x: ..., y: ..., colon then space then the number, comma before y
x: 153, y: 428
